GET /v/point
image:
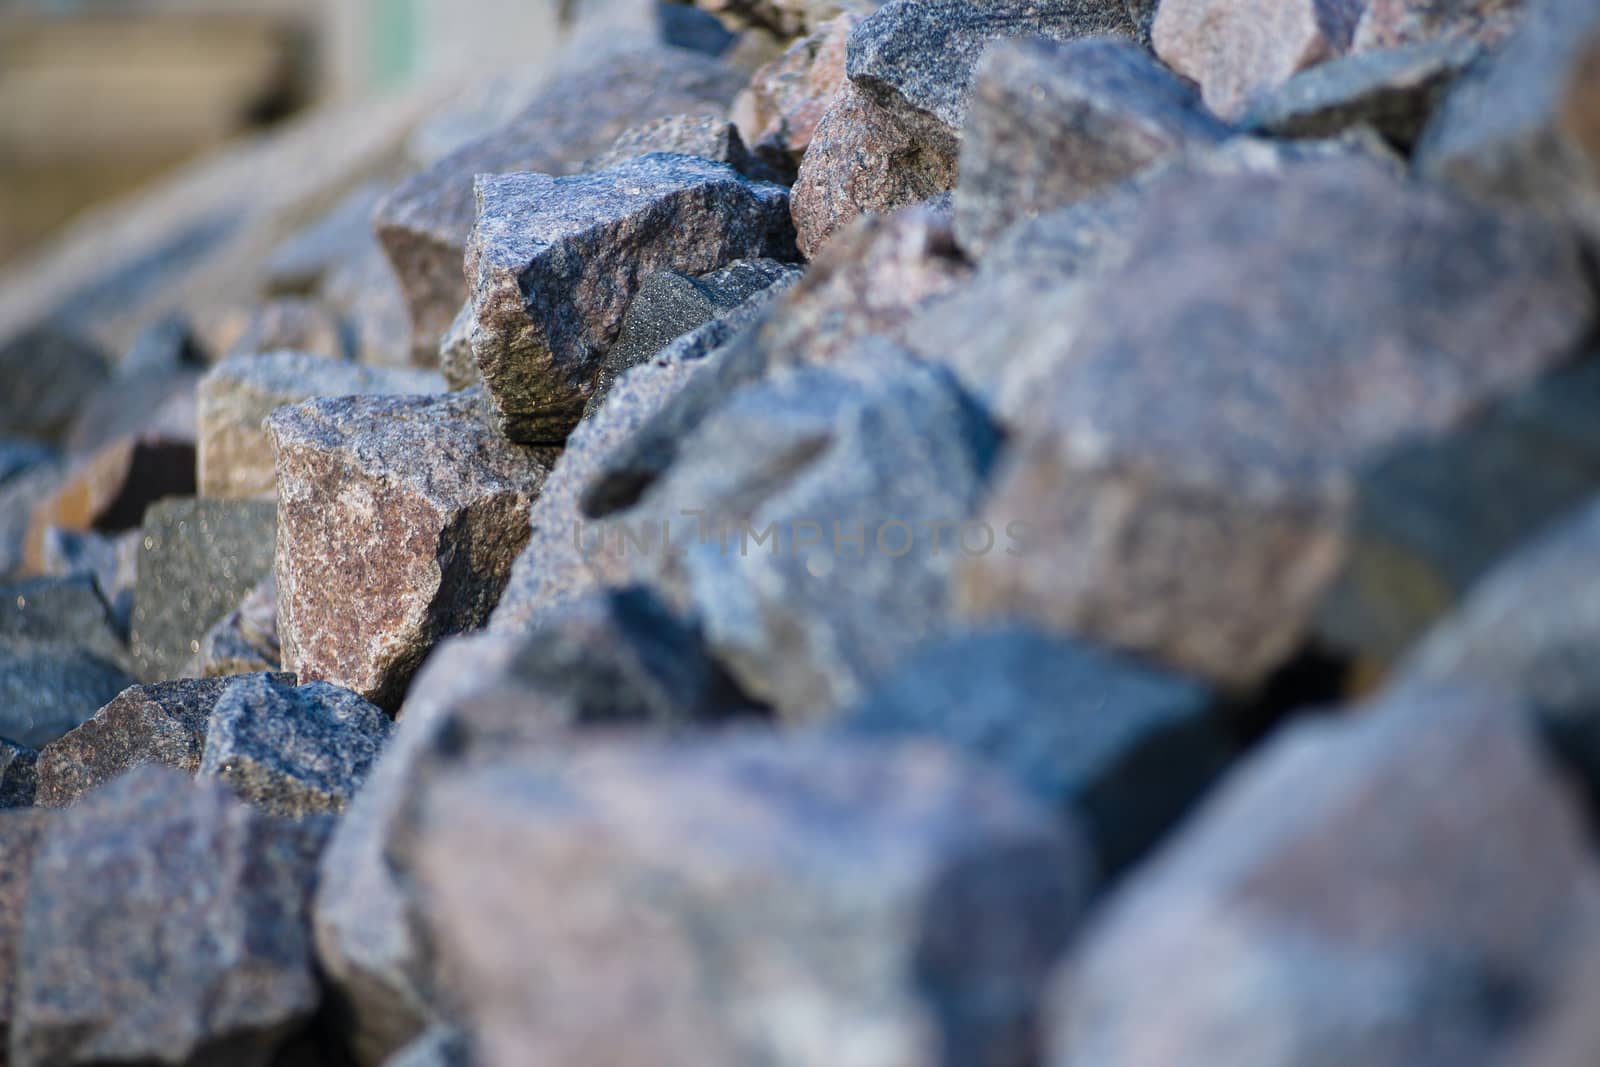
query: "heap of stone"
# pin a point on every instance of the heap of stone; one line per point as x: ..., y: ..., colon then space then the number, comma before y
x: 830, y: 533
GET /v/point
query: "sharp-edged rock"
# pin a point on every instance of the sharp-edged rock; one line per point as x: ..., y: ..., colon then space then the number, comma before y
x: 49, y: 373
x: 704, y: 136
x: 19, y: 780
x: 246, y: 639
x: 779, y: 111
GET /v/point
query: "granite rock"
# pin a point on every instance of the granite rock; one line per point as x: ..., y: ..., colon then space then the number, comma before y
x: 1052, y: 124
x: 68, y: 612
x: 554, y: 261
x: 425, y: 222
x: 457, y: 363
x: 398, y: 521
x: 49, y: 373
x: 234, y: 458
x: 22, y: 833
x: 911, y: 903
x: 1379, y: 888
x: 46, y: 689
x: 19, y: 780
x: 163, y: 723
x: 198, y: 559
x: 110, y: 561
x: 704, y: 136
x: 1121, y: 748
x: 778, y: 113
x: 166, y: 923
x: 291, y: 324
x: 245, y: 640
x: 1395, y: 23
x: 1207, y: 533
x: 292, y: 750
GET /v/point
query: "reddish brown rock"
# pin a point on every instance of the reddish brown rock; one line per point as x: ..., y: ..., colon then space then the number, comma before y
x: 289, y: 324
x: 1388, y: 23
x: 398, y: 521
x: 787, y: 97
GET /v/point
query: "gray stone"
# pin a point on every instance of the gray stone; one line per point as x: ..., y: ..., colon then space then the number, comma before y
x: 166, y: 923
x: 878, y: 449
x: 22, y: 832
x: 425, y: 222
x: 67, y: 612
x: 1051, y: 125
x: 19, y: 780
x: 49, y: 373
x: 292, y: 750
x: 167, y: 346
x: 913, y: 904
x: 301, y: 263
x: 1185, y: 476
x: 1523, y: 127
x: 163, y: 723
x: 1394, y: 23
x: 199, y: 558
x: 366, y: 294
x: 871, y: 282
x: 148, y: 405
x: 705, y: 136
x: 47, y: 689
x: 19, y: 455
x: 291, y: 324
x: 457, y: 362
x: 110, y: 489
x: 1377, y: 888
x: 1124, y: 748
x: 553, y: 263
x: 438, y: 1046
x: 22, y: 493
x: 786, y: 18
x: 245, y: 640
x: 1393, y: 90
x: 234, y: 458
x: 112, y: 562
x: 398, y: 521
x: 670, y: 304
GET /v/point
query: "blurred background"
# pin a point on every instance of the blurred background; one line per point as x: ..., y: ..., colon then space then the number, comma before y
x: 99, y: 96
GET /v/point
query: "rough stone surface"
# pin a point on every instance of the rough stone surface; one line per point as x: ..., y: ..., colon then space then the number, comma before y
x: 166, y: 923
x: 881, y: 450
x: 109, y: 490
x: 22, y: 832
x: 292, y: 750
x: 68, y: 612
x: 246, y: 639
x: 1239, y: 49
x: 234, y: 458
x: 1053, y: 124
x: 869, y: 283
x: 457, y: 362
x: 1394, y: 90
x: 1519, y: 128
x: 704, y: 136
x: 554, y: 261
x: 1388, y: 883
x: 912, y: 903
x: 398, y: 521
x: 1121, y: 747
x: 438, y: 1046
x: 289, y: 324
x: 112, y: 562
x: 1392, y: 23
x: 163, y: 723
x: 49, y: 373
x: 198, y: 559
x: 1205, y: 534
x: 862, y: 159
x: 787, y: 97
x: 425, y: 222
x: 19, y: 780
x: 46, y: 689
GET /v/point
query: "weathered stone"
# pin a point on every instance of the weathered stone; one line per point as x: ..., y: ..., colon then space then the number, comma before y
x: 49, y: 373
x: 110, y: 490
x: 199, y: 558
x: 912, y: 903
x: 786, y: 18
x: 245, y: 640
x: 289, y: 324
x: 31, y: 478
x: 1392, y: 23
x: 166, y: 923
x: 670, y: 304
x: 22, y: 832
x: 438, y: 1046
x: 863, y: 160
x: 1390, y: 888
x: 705, y: 136
x: 554, y: 261
x: 151, y: 405
x: 1124, y: 749
x: 869, y: 283
x: 1240, y: 49
x: 67, y: 612
x: 301, y: 264
x: 163, y: 723
x: 292, y: 750
x: 1518, y: 128
x: 779, y: 111
x: 234, y: 459
x: 1393, y: 90
x: 111, y: 561
x: 456, y: 360
x: 47, y: 689
x: 1052, y: 124
x: 812, y: 523
x: 425, y: 222
x: 398, y: 521
x: 1184, y: 478
x: 19, y: 780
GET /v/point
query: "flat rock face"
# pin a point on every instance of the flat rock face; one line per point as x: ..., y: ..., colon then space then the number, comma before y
x: 166, y: 923
x: 1205, y: 533
x: 18, y: 777
x: 163, y: 723
x: 1053, y: 124
x: 197, y: 560
x: 235, y: 459
x: 292, y: 750
x: 398, y: 521
x: 1513, y: 129
x: 1238, y: 49
x: 244, y: 640
x: 425, y: 222
x: 1121, y: 748
x: 554, y: 261
x: 777, y: 873
x: 1373, y: 876
x: 800, y: 523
